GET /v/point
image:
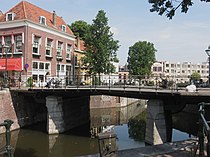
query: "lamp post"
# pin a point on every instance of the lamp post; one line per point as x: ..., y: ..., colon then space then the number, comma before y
x: 6, y: 49
x: 208, y: 53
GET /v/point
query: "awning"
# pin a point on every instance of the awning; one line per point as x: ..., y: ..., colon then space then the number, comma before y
x: 11, y: 64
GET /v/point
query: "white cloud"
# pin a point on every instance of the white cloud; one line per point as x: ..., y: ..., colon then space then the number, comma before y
x: 114, y: 30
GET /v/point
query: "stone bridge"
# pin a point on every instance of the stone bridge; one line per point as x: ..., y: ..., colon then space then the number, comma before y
x: 69, y: 107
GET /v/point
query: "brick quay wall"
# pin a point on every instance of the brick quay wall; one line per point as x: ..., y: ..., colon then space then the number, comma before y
x: 22, y: 109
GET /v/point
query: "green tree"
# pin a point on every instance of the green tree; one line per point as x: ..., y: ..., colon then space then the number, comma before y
x: 100, y: 46
x: 141, y: 56
x: 169, y: 7
x: 80, y: 28
x: 195, y: 76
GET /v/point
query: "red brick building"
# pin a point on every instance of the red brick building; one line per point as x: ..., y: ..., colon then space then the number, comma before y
x: 34, y: 42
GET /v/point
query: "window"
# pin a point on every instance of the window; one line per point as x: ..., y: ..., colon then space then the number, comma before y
x: 62, y: 67
x: 47, y: 66
x: 35, y: 77
x: 8, y: 42
x: 42, y: 20
x: 76, y: 61
x: 18, y: 43
x: 36, y: 44
x: 58, y: 67
x: 49, y: 47
x: 159, y: 69
x: 63, y: 28
x: 68, y: 52
x: 41, y: 65
x: 154, y: 68
x: 59, y: 49
x: 0, y: 44
x: 35, y: 65
x: 10, y: 16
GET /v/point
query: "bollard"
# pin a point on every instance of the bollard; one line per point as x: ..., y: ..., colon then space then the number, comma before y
x: 7, y: 123
x: 107, y: 144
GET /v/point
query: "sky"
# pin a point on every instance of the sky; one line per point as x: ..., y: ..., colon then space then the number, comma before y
x: 182, y: 39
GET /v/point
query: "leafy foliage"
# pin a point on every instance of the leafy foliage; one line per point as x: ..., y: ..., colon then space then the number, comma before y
x: 195, y: 76
x: 168, y: 7
x: 80, y: 28
x: 141, y: 56
x: 100, y: 46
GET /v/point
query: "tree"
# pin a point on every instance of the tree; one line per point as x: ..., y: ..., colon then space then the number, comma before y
x: 141, y: 56
x: 195, y: 77
x: 168, y: 7
x: 80, y: 28
x: 100, y: 46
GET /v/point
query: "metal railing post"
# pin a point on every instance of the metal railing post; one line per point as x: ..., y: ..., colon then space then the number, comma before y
x: 201, y: 131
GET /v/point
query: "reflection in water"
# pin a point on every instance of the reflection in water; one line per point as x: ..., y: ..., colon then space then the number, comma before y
x: 137, y: 127
x: 103, y: 118
x: 35, y: 142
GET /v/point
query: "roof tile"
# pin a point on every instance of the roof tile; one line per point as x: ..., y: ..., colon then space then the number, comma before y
x: 26, y: 10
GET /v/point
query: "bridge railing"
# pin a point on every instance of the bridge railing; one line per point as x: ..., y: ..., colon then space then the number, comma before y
x: 107, y: 81
x: 203, y: 131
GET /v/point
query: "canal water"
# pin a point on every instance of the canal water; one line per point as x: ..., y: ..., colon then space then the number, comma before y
x: 33, y: 141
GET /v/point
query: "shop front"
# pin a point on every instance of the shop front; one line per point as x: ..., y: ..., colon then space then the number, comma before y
x: 10, y: 71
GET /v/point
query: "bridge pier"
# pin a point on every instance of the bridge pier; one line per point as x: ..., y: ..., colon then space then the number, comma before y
x: 156, y: 129
x: 66, y: 113
x: 55, y: 121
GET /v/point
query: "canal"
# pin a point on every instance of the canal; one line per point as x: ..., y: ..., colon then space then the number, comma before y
x: 33, y: 141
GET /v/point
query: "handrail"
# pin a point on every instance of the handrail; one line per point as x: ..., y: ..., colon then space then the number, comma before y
x: 203, y: 130
x: 8, y: 148
x: 110, y: 81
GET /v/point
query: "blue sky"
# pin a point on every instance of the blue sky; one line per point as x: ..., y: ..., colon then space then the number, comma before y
x: 184, y: 38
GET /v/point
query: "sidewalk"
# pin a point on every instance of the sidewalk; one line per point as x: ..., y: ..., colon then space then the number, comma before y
x: 176, y: 149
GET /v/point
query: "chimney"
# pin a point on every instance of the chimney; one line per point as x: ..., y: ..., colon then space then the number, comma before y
x: 78, y: 43
x: 54, y: 18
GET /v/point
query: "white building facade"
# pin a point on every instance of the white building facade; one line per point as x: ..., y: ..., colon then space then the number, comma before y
x: 180, y: 72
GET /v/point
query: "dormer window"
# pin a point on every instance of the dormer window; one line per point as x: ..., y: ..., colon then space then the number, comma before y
x: 10, y: 16
x: 63, y: 27
x: 42, y: 20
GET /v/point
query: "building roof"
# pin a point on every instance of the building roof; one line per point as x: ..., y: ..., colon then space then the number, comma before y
x: 26, y: 10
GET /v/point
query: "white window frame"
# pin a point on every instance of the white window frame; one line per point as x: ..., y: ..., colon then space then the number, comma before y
x: 1, y: 46
x: 6, y: 44
x: 59, y: 49
x: 7, y: 16
x: 63, y: 28
x: 36, y: 44
x: 41, y: 18
x: 68, y: 51
x: 19, y: 41
x: 38, y: 66
x: 48, y: 47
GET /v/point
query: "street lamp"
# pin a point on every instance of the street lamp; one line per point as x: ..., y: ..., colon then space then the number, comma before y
x: 6, y: 49
x: 208, y: 53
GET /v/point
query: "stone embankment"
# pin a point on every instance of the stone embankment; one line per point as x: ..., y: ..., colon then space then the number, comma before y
x: 22, y: 109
